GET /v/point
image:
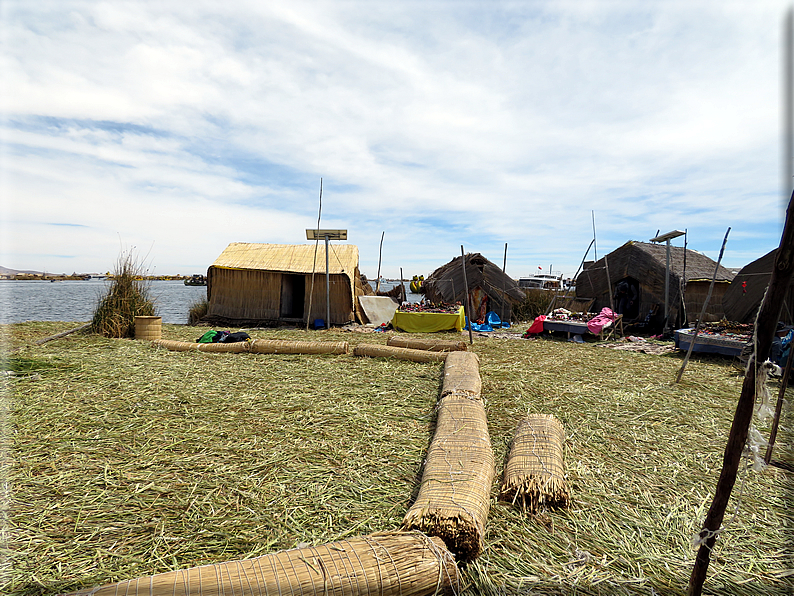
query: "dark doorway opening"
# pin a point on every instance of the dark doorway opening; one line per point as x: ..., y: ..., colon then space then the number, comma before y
x: 293, y: 294
x: 627, y: 298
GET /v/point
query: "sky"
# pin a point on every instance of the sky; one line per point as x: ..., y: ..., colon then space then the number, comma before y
x: 170, y: 129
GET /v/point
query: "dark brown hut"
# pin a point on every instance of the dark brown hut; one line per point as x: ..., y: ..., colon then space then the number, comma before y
x: 642, y: 266
x: 489, y: 288
x: 743, y: 298
x: 271, y: 284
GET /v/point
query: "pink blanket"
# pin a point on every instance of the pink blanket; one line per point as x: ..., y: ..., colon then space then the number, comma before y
x: 537, y: 325
x: 603, y: 319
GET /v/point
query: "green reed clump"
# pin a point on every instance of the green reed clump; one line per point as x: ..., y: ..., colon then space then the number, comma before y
x: 127, y: 297
x: 536, y: 303
x: 197, y: 311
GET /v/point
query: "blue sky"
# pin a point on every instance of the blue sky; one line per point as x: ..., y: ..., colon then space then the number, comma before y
x: 177, y: 128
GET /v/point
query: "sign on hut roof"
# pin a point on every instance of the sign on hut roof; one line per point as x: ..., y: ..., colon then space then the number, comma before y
x: 289, y: 258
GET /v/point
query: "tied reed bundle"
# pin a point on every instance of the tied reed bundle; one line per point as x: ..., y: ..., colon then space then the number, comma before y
x: 379, y: 351
x: 128, y: 296
x: 387, y: 563
x: 534, y: 474
x: 453, y: 498
x: 462, y: 375
x: 258, y: 346
x: 430, y: 344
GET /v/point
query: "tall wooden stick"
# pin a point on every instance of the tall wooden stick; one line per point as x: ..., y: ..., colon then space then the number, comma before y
x: 765, y: 324
x: 778, y: 409
x: 468, y: 298
x: 504, y: 284
x: 702, y: 310
x: 380, y: 252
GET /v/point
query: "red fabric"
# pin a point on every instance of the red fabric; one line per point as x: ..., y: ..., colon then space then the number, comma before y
x: 537, y: 325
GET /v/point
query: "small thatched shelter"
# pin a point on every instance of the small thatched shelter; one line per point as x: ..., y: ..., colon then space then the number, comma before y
x: 271, y: 284
x: 489, y: 288
x: 642, y: 265
x: 743, y: 298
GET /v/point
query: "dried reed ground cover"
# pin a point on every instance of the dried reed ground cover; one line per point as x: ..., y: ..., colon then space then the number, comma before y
x: 123, y: 460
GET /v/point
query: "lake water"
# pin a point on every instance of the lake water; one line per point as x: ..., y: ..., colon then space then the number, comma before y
x: 76, y: 300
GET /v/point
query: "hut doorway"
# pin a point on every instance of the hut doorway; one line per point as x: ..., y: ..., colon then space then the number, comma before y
x: 293, y: 294
x: 627, y: 298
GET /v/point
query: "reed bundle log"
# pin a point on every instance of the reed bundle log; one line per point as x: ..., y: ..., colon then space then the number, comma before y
x: 535, y: 474
x: 258, y: 346
x: 454, y: 495
x: 272, y: 346
x: 462, y: 375
x: 387, y: 564
x: 433, y: 345
x: 381, y: 351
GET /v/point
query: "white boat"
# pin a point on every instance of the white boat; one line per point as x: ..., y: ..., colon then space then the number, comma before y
x: 541, y: 281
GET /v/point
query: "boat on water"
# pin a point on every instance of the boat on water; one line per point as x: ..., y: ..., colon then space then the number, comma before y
x: 541, y: 281
x: 417, y: 284
x: 196, y: 280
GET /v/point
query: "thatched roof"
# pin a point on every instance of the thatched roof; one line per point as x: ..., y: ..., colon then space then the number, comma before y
x: 446, y: 284
x: 741, y: 303
x: 698, y: 266
x: 289, y: 258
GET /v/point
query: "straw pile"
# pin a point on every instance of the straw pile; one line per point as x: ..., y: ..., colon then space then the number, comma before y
x: 380, y: 351
x: 453, y: 498
x: 388, y: 563
x: 259, y: 346
x: 534, y: 475
x: 433, y: 345
x: 462, y: 375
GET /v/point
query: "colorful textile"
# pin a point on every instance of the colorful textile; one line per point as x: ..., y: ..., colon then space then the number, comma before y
x: 537, y: 325
x: 603, y: 319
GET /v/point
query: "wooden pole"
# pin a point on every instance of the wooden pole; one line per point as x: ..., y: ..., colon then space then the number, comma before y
x: 402, y: 285
x: 703, y: 310
x: 380, y: 252
x: 765, y: 325
x: 504, y: 284
x: 778, y: 408
x: 466, y: 289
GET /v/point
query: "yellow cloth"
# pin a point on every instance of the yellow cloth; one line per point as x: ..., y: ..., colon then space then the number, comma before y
x: 428, y: 322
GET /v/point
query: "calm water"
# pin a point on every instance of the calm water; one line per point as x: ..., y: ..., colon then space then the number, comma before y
x: 76, y: 300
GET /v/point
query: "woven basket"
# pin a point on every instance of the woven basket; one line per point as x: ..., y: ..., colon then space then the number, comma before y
x: 381, y: 351
x: 433, y: 345
x: 148, y: 328
x: 535, y: 475
x: 462, y: 375
x: 387, y: 564
x: 454, y: 495
x: 272, y: 346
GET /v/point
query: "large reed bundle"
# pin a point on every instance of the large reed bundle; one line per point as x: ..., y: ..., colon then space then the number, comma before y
x: 534, y: 474
x: 462, y: 375
x: 273, y: 346
x: 453, y: 498
x: 433, y: 345
x: 381, y: 351
x: 388, y: 563
x: 259, y: 346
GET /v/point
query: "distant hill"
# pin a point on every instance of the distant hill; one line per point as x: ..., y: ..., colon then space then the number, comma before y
x: 7, y: 271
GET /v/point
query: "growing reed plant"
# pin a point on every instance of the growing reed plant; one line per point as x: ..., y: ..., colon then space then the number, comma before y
x: 128, y: 296
x: 536, y: 303
x: 197, y: 311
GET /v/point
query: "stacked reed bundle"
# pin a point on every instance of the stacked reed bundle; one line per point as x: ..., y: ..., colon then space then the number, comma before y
x: 388, y: 563
x: 534, y: 474
x: 462, y: 375
x: 259, y: 346
x: 433, y: 345
x: 380, y: 351
x: 453, y: 498
x: 273, y: 346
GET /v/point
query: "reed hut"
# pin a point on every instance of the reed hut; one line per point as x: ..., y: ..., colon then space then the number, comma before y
x: 743, y: 298
x: 272, y: 284
x: 489, y: 288
x: 642, y: 265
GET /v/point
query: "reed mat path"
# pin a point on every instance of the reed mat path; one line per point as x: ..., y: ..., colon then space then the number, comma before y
x: 120, y: 460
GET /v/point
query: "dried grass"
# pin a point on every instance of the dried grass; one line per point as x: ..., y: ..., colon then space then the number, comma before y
x: 122, y: 461
x: 127, y: 296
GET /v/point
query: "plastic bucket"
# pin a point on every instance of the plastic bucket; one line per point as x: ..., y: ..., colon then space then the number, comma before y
x: 148, y: 328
